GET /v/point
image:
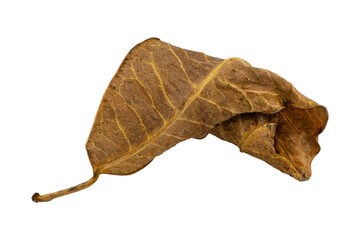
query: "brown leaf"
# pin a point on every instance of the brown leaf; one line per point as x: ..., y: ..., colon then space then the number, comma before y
x: 162, y: 95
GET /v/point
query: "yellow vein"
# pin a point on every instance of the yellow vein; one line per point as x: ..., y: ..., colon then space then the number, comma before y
x: 93, y: 144
x: 259, y: 92
x: 161, y: 82
x: 155, y: 45
x: 290, y: 123
x: 118, y: 146
x: 165, y: 127
x: 143, y: 48
x: 241, y: 72
x: 241, y: 91
x: 195, y: 122
x: 217, y: 89
x: 271, y: 80
x: 187, y: 55
x: 175, y: 136
x: 159, y: 145
x: 283, y: 150
x: 210, y: 101
x: 272, y: 105
x: 131, y: 164
x: 182, y: 66
x: 119, y: 125
x: 147, y: 92
x: 206, y: 58
x: 214, y: 103
x: 136, y: 113
x: 257, y: 76
x: 312, y: 118
x: 246, y: 67
x: 251, y: 133
x: 102, y: 133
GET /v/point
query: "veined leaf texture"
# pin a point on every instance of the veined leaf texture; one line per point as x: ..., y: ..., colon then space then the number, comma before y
x: 162, y: 95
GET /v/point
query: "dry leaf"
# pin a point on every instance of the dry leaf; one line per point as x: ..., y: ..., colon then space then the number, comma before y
x: 162, y: 95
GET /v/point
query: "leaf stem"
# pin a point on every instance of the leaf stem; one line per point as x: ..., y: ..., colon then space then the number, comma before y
x: 50, y: 196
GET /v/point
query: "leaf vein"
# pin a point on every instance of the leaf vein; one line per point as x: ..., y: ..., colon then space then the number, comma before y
x: 181, y: 66
x: 147, y: 92
x: 196, y: 122
x: 119, y: 125
x: 161, y: 82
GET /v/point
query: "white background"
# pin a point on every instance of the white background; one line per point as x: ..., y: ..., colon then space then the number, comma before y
x: 56, y: 60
